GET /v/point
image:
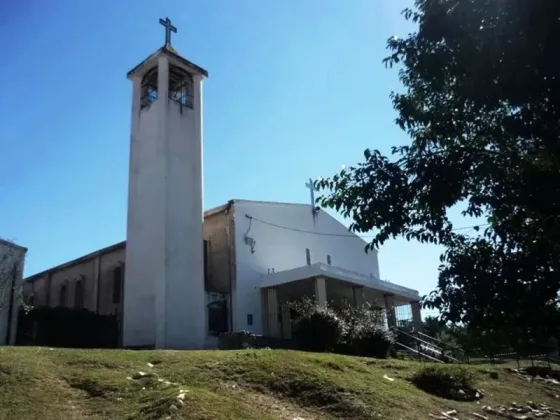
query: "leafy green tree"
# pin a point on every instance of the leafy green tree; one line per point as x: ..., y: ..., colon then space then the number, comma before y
x: 481, y: 104
x: 433, y: 326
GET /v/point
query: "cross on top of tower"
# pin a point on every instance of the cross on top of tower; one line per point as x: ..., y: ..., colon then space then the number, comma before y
x: 168, y: 29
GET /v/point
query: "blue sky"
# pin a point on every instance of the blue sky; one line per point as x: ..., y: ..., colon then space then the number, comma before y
x: 296, y: 90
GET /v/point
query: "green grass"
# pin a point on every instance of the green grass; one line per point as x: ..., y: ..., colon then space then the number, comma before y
x: 42, y: 383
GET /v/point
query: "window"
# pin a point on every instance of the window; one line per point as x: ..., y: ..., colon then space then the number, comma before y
x: 79, y: 294
x: 117, y: 284
x: 149, y: 88
x: 181, y: 86
x: 308, y: 256
x: 328, y: 259
x: 249, y: 319
x: 62, y: 296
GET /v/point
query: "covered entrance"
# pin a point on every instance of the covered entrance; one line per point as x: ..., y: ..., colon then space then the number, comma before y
x: 335, y: 286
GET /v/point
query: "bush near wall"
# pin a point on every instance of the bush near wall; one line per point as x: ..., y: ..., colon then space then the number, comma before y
x: 447, y: 381
x: 64, y: 327
x: 345, y: 329
x: 247, y: 340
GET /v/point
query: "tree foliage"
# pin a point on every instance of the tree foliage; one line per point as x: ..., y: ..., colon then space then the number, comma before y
x: 433, y: 326
x: 481, y: 105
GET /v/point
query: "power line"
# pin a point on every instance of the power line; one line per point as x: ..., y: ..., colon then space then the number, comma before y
x: 343, y: 235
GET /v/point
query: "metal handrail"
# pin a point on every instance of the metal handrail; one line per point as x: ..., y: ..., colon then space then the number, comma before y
x: 441, y: 342
x: 448, y: 347
x: 435, y: 348
x: 417, y: 339
x: 419, y: 353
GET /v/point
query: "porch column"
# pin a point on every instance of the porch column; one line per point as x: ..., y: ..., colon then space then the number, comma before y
x: 358, y: 295
x: 320, y: 291
x: 390, y: 310
x: 416, y: 315
x: 271, y: 313
x: 286, y: 322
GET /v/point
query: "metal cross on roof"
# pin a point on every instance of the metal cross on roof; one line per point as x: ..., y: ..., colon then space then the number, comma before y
x: 312, y: 190
x: 168, y: 29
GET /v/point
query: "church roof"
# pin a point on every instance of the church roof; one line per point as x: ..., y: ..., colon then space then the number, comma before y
x: 280, y: 203
x: 12, y: 244
x: 78, y: 260
x: 325, y: 270
x: 171, y: 53
x: 122, y: 244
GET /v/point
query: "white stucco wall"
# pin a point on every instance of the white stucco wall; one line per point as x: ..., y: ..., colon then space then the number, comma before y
x: 282, y: 249
x: 145, y: 234
x: 10, y: 255
x: 164, y: 287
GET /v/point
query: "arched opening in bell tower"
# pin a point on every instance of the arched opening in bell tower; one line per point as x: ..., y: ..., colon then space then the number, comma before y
x: 181, y: 86
x: 149, y: 88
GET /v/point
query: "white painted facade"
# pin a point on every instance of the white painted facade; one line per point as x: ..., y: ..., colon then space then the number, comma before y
x: 12, y: 259
x: 164, y: 297
x: 280, y: 232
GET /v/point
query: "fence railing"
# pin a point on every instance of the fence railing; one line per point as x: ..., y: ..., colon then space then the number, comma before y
x: 424, y: 345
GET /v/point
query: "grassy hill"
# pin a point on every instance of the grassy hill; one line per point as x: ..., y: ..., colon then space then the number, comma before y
x: 42, y: 383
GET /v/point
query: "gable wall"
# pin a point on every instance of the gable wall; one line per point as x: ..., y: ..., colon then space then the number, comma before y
x: 285, y: 248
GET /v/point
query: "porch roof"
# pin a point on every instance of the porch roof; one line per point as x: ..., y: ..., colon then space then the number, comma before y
x: 329, y: 271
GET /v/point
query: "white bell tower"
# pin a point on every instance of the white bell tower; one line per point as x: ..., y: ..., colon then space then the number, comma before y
x: 164, y: 296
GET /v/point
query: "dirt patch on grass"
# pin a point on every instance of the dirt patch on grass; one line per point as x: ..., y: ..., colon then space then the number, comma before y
x: 92, y: 388
x: 5, y: 373
x: 158, y: 408
x: 283, y: 410
x: 316, y: 394
x: 5, y: 370
x: 92, y: 364
x: 334, y: 366
x: 542, y: 371
x: 394, y: 366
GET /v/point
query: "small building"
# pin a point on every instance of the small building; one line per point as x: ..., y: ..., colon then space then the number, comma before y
x: 257, y: 257
x: 12, y: 259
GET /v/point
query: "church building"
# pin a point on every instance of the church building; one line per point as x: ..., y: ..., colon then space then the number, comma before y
x: 183, y: 276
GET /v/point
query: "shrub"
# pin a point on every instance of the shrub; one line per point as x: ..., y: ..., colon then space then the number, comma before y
x: 344, y: 329
x: 65, y: 327
x: 365, y: 333
x: 236, y: 340
x: 371, y: 342
x: 316, y: 327
x: 451, y: 382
